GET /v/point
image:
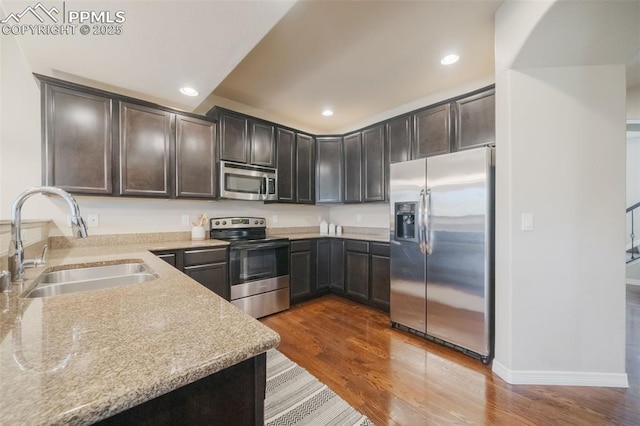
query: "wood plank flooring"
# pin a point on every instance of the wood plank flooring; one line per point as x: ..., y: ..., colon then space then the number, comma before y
x: 398, y: 379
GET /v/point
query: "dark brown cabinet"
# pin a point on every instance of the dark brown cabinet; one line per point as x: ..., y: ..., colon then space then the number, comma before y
x: 356, y: 275
x: 195, y: 171
x: 246, y: 140
x: 305, y: 169
x: 233, y: 138
x: 353, y: 168
x: 432, y: 131
x: 145, y: 156
x: 337, y: 265
x: 374, y: 164
x: 476, y: 120
x: 77, y: 140
x: 323, y: 265
x: 329, y: 175
x: 208, y: 266
x: 399, y: 137
x: 286, y: 148
x: 301, y: 270
x: 380, y: 286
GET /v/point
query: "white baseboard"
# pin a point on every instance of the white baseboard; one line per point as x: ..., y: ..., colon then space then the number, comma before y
x: 560, y: 378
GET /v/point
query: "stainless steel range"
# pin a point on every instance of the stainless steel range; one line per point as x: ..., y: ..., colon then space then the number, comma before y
x: 258, y: 265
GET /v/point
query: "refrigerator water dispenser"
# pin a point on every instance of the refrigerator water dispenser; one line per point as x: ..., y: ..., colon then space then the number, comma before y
x: 406, y: 221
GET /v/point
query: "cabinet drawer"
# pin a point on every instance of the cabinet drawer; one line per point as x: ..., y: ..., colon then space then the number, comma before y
x: 304, y: 245
x: 380, y: 249
x: 205, y: 256
x: 361, y: 246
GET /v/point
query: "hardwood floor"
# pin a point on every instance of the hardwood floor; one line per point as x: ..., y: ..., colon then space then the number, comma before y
x: 398, y: 379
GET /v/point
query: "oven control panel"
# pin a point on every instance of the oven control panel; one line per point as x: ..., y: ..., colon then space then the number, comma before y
x: 236, y: 222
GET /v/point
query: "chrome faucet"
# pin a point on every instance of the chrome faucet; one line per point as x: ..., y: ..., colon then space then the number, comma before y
x: 17, y: 263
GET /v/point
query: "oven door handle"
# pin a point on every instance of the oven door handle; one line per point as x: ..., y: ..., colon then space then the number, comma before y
x: 258, y: 246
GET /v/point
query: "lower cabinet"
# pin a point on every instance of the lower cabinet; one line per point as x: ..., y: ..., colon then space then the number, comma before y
x: 208, y: 266
x: 358, y: 270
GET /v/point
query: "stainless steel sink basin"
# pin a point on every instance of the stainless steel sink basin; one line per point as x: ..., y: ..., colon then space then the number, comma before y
x: 90, y: 278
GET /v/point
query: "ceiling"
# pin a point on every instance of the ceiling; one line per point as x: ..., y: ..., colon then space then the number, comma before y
x: 279, y: 60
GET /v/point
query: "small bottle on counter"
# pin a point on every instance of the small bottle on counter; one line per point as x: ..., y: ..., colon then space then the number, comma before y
x: 332, y: 229
x: 324, y: 227
x: 339, y: 230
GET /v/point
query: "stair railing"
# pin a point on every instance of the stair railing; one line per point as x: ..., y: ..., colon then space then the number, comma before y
x: 633, y: 250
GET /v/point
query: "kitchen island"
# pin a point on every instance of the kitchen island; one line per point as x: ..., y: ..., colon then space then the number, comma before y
x: 84, y: 357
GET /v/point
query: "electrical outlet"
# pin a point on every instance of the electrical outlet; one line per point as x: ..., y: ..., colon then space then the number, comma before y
x: 319, y: 218
x: 185, y: 219
x: 527, y: 221
x: 93, y: 220
x: 358, y: 218
x: 274, y: 218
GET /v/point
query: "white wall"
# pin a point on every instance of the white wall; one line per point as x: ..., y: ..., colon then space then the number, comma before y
x: 374, y: 215
x: 633, y: 103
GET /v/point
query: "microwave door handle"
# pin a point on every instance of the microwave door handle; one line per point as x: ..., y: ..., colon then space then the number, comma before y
x: 265, y: 186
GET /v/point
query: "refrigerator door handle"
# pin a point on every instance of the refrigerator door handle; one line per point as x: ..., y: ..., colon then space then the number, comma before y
x: 422, y: 235
x: 427, y: 224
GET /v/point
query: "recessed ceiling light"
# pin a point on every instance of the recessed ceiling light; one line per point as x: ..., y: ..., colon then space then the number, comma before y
x: 449, y: 59
x: 327, y: 113
x: 189, y: 91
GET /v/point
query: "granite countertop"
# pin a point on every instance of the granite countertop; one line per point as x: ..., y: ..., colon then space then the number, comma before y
x: 79, y: 358
x: 348, y: 236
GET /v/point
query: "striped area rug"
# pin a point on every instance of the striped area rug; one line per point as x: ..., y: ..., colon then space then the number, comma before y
x: 295, y: 397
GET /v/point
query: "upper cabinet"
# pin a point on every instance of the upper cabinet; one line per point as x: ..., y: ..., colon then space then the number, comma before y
x: 305, y: 169
x: 432, y: 131
x: 195, y: 171
x: 353, y: 168
x: 145, y: 151
x: 296, y: 167
x: 476, y: 120
x: 246, y: 140
x: 374, y: 164
x: 399, y: 137
x: 76, y: 125
x: 96, y: 142
x: 329, y: 166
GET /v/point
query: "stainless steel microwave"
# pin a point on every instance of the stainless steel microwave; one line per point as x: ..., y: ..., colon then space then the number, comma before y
x: 244, y: 182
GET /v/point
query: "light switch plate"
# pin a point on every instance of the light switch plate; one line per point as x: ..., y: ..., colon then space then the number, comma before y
x: 185, y: 219
x: 274, y: 218
x: 527, y: 221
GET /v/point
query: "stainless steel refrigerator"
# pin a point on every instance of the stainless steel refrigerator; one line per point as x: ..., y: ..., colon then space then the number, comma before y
x: 442, y: 249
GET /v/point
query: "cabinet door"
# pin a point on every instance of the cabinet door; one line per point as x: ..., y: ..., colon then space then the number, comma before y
x: 300, y: 274
x: 373, y: 165
x: 323, y: 262
x: 399, y: 133
x: 286, y: 148
x: 195, y: 175
x: 476, y: 120
x: 305, y: 169
x: 329, y: 177
x: 380, y: 281
x: 172, y: 257
x: 353, y: 168
x: 145, y: 159
x: 433, y: 131
x: 233, y: 138
x: 263, y: 150
x: 214, y: 277
x: 357, y: 275
x: 337, y: 265
x: 77, y: 141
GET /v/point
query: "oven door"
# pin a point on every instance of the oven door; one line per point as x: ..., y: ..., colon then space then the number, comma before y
x: 241, y: 182
x: 258, y: 261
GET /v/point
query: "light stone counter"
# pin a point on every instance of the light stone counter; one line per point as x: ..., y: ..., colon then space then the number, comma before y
x: 79, y: 358
x: 349, y: 236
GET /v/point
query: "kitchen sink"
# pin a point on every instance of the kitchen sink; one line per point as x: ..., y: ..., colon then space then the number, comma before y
x: 90, y: 278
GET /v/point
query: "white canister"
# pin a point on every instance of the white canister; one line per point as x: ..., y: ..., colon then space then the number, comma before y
x: 332, y: 229
x: 324, y: 228
x: 339, y: 230
x: 197, y: 233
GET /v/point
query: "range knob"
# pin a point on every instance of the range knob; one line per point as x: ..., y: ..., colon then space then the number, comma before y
x: 217, y: 222
x: 224, y: 222
x: 255, y: 222
x: 262, y: 222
